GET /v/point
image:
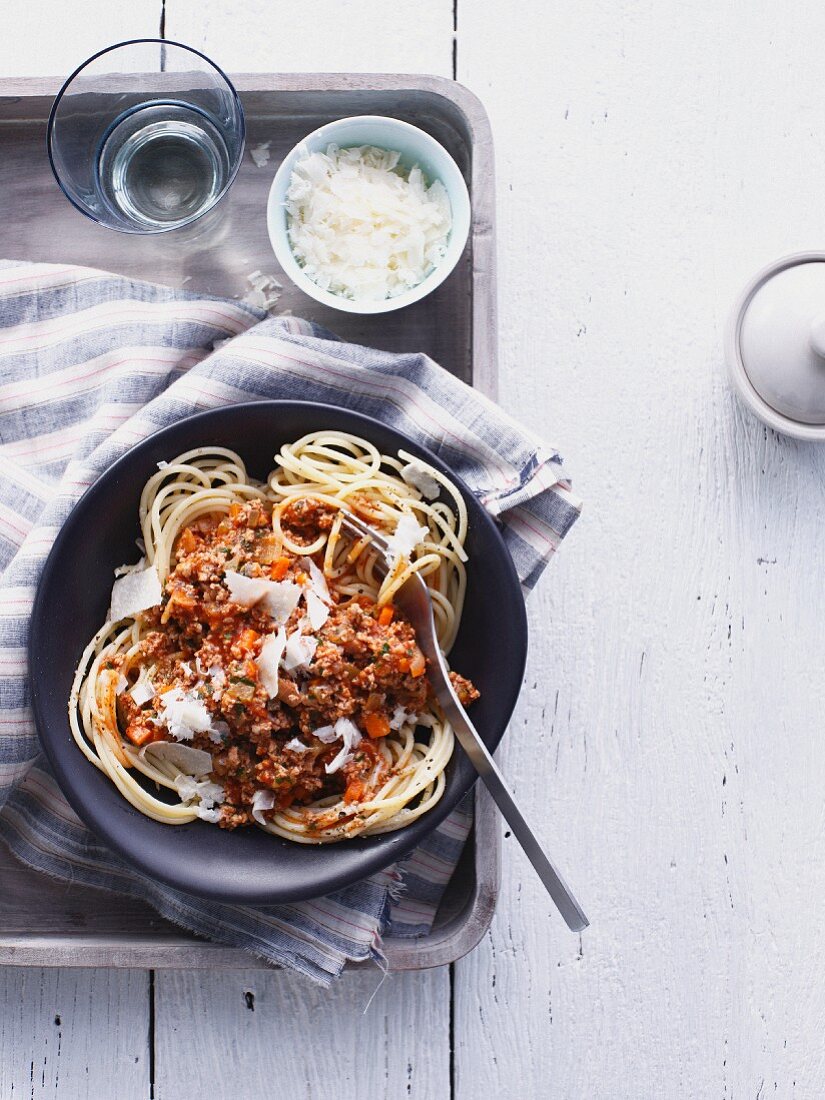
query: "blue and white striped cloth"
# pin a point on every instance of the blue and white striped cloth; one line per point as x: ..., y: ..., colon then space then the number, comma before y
x: 91, y: 363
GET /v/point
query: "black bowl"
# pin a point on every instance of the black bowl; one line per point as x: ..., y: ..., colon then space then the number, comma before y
x: 247, y: 865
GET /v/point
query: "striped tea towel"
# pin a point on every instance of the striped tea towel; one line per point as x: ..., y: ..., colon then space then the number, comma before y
x: 90, y: 363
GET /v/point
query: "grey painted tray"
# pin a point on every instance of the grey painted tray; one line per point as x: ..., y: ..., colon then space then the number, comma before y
x: 43, y: 923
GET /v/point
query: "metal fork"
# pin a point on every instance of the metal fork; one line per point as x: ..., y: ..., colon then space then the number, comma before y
x: 413, y: 598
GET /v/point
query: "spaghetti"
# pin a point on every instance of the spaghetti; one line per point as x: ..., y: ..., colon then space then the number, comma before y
x: 254, y: 668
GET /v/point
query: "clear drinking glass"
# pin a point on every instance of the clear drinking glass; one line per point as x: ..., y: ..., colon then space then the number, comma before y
x: 146, y: 136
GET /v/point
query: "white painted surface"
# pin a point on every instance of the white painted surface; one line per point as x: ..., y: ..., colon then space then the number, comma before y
x: 681, y: 627
x: 650, y: 157
x: 44, y: 38
x: 330, y: 36
x: 250, y: 1033
x: 70, y: 1034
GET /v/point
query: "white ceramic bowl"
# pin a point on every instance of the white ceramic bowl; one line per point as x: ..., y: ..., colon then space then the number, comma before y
x: 775, y: 346
x: 415, y: 147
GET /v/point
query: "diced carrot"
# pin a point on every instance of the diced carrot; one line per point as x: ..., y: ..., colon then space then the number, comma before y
x: 187, y: 541
x: 354, y: 791
x: 235, y: 510
x: 247, y: 639
x: 301, y: 578
x: 376, y: 725
x: 278, y: 569
x: 250, y: 670
x: 418, y: 666
x: 403, y: 664
x: 143, y: 735
x: 386, y: 615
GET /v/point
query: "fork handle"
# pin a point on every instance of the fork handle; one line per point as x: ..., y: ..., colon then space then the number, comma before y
x: 481, y: 759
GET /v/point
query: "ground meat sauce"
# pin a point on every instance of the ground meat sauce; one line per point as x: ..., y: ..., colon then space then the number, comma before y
x: 366, y: 665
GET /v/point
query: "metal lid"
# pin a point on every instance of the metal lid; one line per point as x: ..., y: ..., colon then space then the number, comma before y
x: 776, y: 345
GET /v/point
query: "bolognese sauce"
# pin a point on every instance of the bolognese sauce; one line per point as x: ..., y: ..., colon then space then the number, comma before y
x: 354, y: 662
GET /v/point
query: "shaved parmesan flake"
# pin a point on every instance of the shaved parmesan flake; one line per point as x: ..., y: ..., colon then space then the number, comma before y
x: 317, y: 610
x: 262, y: 800
x: 122, y: 684
x: 296, y: 746
x: 282, y: 599
x: 265, y: 290
x: 271, y: 653
x: 219, y: 732
x: 260, y: 154
x: 326, y: 734
x: 184, y: 714
x: 401, y: 717
x: 188, y: 760
x: 245, y: 591
x: 215, y: 674
x: 212, y: 815
x: 408, y: 535
x: 279, y: 598
x: 208, y: 792
x: 363, y: 227
x: 317, y: 580
x: 135, y: 592
x: 300, y: 649
x: 421, y: 479
x: 351, y: 736
x: 143, y: 691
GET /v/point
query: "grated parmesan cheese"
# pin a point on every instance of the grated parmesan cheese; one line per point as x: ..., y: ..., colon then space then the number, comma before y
x: 363, y: 227
x: 184, y: 714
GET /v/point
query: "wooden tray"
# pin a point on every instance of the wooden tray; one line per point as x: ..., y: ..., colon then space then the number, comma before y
x: 44, y: 923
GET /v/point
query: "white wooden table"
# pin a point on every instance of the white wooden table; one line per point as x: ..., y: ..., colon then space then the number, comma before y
x: 650, y: 157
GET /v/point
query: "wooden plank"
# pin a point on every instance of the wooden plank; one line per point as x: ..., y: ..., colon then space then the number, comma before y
x: 407, y: 36
x: 250, y: 1033
x: 73, y: 1033
x: 650, y: 157
x: 32, y: 44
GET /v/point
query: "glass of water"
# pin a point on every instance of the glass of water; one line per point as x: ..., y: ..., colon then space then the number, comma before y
x: 146, y: 136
